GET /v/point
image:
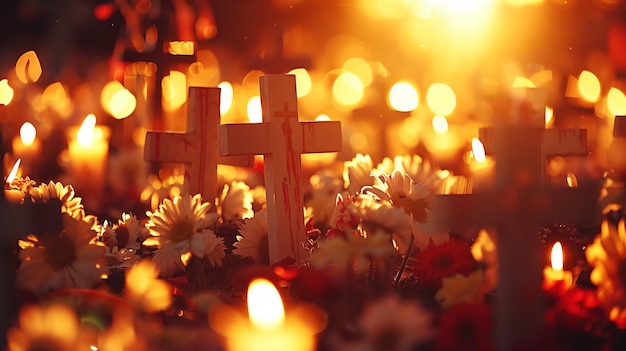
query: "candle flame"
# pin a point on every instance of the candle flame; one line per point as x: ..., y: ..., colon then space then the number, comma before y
x: 226, y: 96
x: 549, y: 116
x: 85, y: 133
x: 13, y: 172
x: 557, y: 256
x: 572, y: 181
x: 265, y: 307
x: 478, y: 150
x: 28, y: 133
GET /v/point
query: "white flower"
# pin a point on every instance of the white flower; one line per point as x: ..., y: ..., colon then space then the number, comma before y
x: 357, y: 173
x: 65, y: 260
x: 182, y: 227
x: 353, y: 252
x: 130, y: 231
x: 54, y: 190
x: 252, y: 241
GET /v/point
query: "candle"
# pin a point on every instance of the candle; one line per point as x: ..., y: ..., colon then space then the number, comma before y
x: 555, y: 279
x: 268, y: 326
x: 27, y: 147
x: 481, y: 167
x: 88, y: 148
x: 12, y: 187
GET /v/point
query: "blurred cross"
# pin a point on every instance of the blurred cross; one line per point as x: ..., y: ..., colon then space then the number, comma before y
x: 519, y: 203
x: 196, y: 148
x: 274, y: 60
x: 281, y: 139
x: 381, y: 117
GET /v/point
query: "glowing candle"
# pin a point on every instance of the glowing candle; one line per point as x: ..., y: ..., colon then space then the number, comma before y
x: 27, y: 147
x: 481, y: 167
x: 555, y: 279
x: 12, y: 190
x: 88, y: 151
x: 269, y: 326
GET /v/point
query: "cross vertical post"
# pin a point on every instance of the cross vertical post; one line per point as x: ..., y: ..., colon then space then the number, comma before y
x: 281, y: 138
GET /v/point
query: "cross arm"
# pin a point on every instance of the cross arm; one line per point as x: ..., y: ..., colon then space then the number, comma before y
x: 565, y: 142
x: 244, y: 139
x: 321, y: 136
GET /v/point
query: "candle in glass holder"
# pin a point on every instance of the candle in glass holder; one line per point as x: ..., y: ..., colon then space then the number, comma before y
x: 555, y: 278
x: 13, y: 191
x: 27, y: 147
x: 268, y: 326
x: 88, y: 148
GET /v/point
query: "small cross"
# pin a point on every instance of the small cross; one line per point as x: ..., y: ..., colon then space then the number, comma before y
x: 281, y: 139
x: 196, y: 148
x: 516, y: 207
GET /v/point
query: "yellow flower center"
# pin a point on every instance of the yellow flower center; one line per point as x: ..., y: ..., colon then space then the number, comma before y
x: 60, y: 252
x: 181, y: 230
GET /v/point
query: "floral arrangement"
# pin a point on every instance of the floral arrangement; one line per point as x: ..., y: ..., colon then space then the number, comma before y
x: 379, y: 269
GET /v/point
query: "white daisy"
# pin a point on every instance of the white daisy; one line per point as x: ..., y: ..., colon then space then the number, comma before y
x: 321, y: 203
x: 55, y: 190
x: 182, y: 228
x: 236, y: 201
x: 252, y: 241
x: 130, y: 232
x: 357, y: 173
x: 70, y: 259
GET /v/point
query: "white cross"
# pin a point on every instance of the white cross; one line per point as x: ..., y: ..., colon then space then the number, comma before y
x: 281, y: 139
x: 196, y: 148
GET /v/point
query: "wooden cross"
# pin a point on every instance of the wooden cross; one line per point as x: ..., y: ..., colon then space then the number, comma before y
x: 196, y: 148
x: 281, y: 139
x: 516, y: 207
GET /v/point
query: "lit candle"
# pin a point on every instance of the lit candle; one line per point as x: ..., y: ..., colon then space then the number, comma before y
x: 268, y: 326
x: 12, y: 189
x: 27, y: 147
x: 481, y: 167
x: 88, y: 151
x: 555, y: 279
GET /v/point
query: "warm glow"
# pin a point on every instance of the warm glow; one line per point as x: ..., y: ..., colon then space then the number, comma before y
x: 403, y: 97
x: 360, y: 68
x: 572, y: 181
x: 255, y: 112
x: 589, y: 86
x: 174, y: 90
x: 348, y: 89
x: 118, y: 101
x: 265, y: 306
x: 440, y: 124
x: 6, y: 92
x: 523, y: 82
x: 303, y: 81
x: 541, y: 78
x: 322, y: 117
x: 549, y: 116
x: 465, y: 5
x: 180, y: 48
x: 616, y: 102
x: 441, y: 99
x: 28, y: 68
x: 226, y: 96
x: 186, y: 257
x: 28, y: 133
x: 478, y: 150
x: 85, y: 133
x: 13, y: 172
x: 557, y: 256
x: 56, y: 97
x: 524, y: 3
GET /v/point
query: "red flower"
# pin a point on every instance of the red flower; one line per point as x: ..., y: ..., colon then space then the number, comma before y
x: 440, y: 261
x: 466, y: 326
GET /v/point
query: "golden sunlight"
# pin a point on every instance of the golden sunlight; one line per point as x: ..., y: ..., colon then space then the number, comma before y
x: 6, y: 92
x: 28, y: 133
x: 464, y: 5
x: 226, y: 96
x: 556, y: 257
x: 85, y: 133
x: 348, y: 89
x: 265, y: 306
x: 28, y: 68
x: 589, y: 86
x: 303, y: 81
x: 360, y: 68
x: 403, y: 97
x: 441, y: 99
x: 616, y: 102
x: 255, y: 112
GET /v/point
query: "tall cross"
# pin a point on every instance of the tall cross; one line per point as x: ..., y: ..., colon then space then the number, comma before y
x: 281, y: 139
x: 519, y: 203
x: 197, y: 147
